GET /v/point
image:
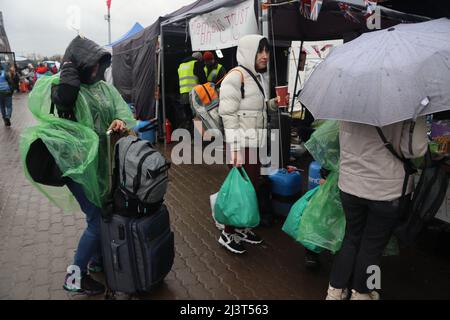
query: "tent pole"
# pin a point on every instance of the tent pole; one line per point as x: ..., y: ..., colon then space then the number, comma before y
x: 163, y: 83
x: 264, y: 19
x: 158, y: 81
x: 296, y: 78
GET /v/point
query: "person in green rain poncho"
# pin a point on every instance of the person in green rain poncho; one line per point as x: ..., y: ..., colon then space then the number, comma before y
x: 87, y: 108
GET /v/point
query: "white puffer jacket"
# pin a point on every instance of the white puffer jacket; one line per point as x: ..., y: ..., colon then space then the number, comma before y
x: 245, y: 120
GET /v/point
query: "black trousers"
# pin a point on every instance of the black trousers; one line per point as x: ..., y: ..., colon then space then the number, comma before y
x: 369, y: 226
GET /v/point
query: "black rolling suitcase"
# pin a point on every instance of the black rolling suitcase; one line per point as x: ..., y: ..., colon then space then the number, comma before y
x: 138, y: 250
x: 138, y: 253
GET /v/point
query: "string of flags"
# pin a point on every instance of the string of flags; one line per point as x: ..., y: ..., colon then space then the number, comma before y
x: 349, y: 14
x: 320, y: 51
x: 310, y: 9
x: 371, y: 8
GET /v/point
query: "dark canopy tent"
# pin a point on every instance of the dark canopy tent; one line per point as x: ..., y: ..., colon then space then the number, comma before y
x: 135, y: 65
x: 331, y: 24
x: 136, y: 59
x: 431, y: 8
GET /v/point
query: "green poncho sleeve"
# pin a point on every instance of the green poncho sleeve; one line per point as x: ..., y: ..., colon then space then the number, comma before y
x: 79, y: 148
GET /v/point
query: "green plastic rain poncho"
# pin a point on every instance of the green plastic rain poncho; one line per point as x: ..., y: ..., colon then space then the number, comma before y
x: 79, y: 148
x: 323, y: 220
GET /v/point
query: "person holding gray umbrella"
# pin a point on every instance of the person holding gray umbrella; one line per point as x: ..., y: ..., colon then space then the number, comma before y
x: 388, y: 79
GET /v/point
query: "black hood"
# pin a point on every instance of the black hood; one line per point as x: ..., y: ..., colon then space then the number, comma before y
x: 85, y: 54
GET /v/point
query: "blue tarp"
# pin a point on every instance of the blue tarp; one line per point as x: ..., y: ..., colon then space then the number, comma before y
x: 136, y: 28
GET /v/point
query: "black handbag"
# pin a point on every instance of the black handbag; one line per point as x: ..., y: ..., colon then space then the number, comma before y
x: 427, y: 198
x: 42, y: 166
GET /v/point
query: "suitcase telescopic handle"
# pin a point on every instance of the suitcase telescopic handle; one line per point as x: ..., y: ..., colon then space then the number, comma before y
x: 115, y: 255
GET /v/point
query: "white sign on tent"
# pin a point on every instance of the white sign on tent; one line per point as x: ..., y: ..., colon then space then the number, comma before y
x: 223, y: 28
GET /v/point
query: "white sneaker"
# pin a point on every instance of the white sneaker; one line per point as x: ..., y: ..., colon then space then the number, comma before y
x: 365, y: 296
x: 336, y: 294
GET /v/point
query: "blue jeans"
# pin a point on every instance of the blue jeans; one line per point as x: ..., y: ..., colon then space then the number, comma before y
x: 6, y: 105
x: 89, y: 247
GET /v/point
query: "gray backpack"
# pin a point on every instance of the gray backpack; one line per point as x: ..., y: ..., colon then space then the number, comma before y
x: 142, y: 170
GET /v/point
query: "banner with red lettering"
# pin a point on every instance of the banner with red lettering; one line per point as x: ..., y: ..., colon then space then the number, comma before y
x: 223, y: 28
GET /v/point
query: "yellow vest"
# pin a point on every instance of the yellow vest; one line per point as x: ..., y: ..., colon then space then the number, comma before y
x: 186, y: 75
x: 212, y: 76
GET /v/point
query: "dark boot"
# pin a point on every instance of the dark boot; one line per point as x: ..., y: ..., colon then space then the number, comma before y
x: 265, y: 203
x: 311, y: 259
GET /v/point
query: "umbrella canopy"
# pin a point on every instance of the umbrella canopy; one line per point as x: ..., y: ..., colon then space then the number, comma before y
x: 384, y: 77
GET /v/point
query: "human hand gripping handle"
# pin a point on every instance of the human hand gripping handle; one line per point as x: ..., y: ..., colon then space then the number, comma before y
x: 117, y: 125
x: 236, y: 159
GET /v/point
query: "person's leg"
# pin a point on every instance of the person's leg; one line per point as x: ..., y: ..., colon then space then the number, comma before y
x: 252, y: 167
x: 382, y: 218
x: 356, y: 212
x: 3, y: 105
x: 228, y: 238
x: 8, y: 107
x: 89, y: 245
x: 311, y: 259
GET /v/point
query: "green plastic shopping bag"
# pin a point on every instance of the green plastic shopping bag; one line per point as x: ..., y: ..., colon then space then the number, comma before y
x: 237, y: 204
x: 292, y: 224
x: 323, y: 220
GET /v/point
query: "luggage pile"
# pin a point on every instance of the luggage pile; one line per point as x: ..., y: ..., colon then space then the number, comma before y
x: 137, y: 241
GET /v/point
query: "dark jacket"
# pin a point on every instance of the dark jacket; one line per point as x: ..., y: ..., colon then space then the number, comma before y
x: 80, y: 57
x: 199, y: 69
x: 220, y: 75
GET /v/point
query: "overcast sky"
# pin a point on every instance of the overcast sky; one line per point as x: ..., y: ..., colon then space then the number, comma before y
x: 40, y: 26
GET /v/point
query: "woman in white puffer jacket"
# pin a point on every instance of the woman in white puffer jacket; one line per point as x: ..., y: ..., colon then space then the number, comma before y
x: 243, y: 107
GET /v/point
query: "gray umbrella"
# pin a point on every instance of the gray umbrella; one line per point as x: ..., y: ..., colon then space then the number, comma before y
x: 384, y: 77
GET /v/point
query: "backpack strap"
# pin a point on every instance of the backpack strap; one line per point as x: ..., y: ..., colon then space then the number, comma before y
x: 407, y: 164
x: 207, y: 93
x: 256, y: 80
x: 124, y: 175
x: 242, y: 81
x: 138, y: 178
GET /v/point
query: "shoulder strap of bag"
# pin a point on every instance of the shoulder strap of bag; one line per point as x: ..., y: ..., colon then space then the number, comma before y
x: 242, y: 81
x: 256, y: 80
x: 207, y: 93
x: 407, y: 165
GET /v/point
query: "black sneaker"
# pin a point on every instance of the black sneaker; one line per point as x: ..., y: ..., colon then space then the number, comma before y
x: 232, y: 242
x: 7, y: 122
x: 247, y: 235
x: 311, y: 260
x: 95, y: 267
x: 88, y: 286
